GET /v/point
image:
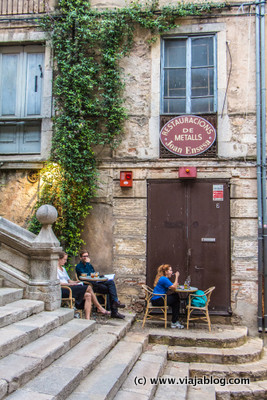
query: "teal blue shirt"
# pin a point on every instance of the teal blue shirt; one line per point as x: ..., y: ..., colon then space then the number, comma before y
x: 162, y: 286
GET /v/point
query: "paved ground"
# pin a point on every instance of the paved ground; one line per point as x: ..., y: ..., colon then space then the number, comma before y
x: 137, y: 326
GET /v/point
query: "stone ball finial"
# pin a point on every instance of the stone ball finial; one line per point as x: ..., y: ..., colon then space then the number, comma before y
x: 46, y: 214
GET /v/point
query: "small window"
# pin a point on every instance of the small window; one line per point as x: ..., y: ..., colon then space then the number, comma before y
x: 21, y: 87
x: 188, y: 75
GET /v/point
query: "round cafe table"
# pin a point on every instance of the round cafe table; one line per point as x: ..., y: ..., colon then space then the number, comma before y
x: 181, y: 289
x: 88, y: 278
x: 183, y: 294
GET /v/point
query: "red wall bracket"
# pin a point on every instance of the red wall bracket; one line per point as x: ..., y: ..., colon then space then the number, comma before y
x: 187, y: 172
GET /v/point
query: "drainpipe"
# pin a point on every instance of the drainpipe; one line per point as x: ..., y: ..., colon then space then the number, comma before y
x: 259, y: 190
x: 261, y: 167
x: 263, y: 158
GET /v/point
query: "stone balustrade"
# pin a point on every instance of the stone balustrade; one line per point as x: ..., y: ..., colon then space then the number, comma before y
x: 29, y: 261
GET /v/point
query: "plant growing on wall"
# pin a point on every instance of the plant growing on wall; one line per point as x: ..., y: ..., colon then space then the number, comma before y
x: 88, y: 46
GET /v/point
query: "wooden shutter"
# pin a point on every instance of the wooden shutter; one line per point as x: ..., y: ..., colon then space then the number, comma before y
x: 21, y: 86
x: 34, y: 83
x: 9, y: 78
x: 9, y: 143
x: 30, y: 138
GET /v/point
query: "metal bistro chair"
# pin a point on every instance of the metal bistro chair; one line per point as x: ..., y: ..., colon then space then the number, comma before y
x: 205, y: 309
x: 70, y: 301
x: 150, y: 308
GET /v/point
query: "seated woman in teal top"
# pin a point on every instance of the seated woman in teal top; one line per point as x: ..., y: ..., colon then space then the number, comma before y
x: 162, y: 284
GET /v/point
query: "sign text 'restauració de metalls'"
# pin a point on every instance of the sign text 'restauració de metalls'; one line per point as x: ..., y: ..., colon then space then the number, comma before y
x: 187, y: 135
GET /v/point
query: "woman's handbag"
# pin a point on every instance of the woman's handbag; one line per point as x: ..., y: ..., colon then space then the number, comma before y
x: 198, y: 301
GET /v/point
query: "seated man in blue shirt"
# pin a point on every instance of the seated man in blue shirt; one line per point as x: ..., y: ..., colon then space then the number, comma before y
x: 107, y: 287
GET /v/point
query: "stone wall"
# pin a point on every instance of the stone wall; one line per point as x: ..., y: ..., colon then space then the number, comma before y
x: 17, y: 196
x: 139, y: 152
x: 129, y: 224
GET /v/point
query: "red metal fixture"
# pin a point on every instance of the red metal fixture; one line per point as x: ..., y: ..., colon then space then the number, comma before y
x: 187, y: 172
x: 126, y: 179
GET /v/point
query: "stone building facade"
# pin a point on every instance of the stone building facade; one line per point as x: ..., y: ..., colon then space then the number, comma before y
x: 116, y: 231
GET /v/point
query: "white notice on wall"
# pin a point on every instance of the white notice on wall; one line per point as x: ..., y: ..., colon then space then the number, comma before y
x: 217, y: 193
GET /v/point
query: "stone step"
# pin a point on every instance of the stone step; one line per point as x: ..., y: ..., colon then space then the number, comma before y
x: 172, y: 384
x: 220, y: 336
x: 248, y: 352
x: 201, y: 392
x: 25, y: 363
x: 8, y: 295
x: 1, y: 282
x: 108, y: 376
x: 255, y: 371
x: 19, y: 310
x: 255, y: 390
x: 60, y: 379
x: 139, y: 384
x: 19, y: 334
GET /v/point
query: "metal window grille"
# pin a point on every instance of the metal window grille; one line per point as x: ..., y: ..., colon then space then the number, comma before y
x: 19, y: 7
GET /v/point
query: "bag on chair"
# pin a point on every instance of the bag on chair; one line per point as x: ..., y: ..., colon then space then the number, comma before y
x: 199, y: 301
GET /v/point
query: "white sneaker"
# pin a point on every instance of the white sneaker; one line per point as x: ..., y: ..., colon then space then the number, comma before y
x: 177, y: 325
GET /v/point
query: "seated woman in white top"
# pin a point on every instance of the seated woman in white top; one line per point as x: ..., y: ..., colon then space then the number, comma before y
x: 83, y: 294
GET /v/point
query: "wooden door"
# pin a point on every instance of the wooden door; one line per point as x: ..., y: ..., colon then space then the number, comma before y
x: 189, y: 228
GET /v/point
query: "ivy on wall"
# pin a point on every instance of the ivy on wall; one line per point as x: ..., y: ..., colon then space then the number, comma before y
x: 88, y: 45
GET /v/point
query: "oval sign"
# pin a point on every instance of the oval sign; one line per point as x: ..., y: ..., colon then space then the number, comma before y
x: 187, y: 135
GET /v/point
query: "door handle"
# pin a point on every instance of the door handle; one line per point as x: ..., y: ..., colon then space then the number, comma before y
x: 198, y: 268
x: 36, y: 84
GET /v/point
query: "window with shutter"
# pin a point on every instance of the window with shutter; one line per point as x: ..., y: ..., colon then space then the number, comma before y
x: 188, y: 75
x: 21, y: 87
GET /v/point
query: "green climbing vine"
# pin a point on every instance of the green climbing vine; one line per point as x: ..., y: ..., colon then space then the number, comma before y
x: 88, y: 45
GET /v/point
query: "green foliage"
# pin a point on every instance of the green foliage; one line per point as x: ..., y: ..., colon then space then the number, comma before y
x: 88, y: 45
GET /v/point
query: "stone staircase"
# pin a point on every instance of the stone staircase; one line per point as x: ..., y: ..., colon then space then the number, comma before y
x: 200, y: 364
x: 50, y: 355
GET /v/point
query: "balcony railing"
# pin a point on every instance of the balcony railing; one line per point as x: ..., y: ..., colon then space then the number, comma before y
x: 18, y: 7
